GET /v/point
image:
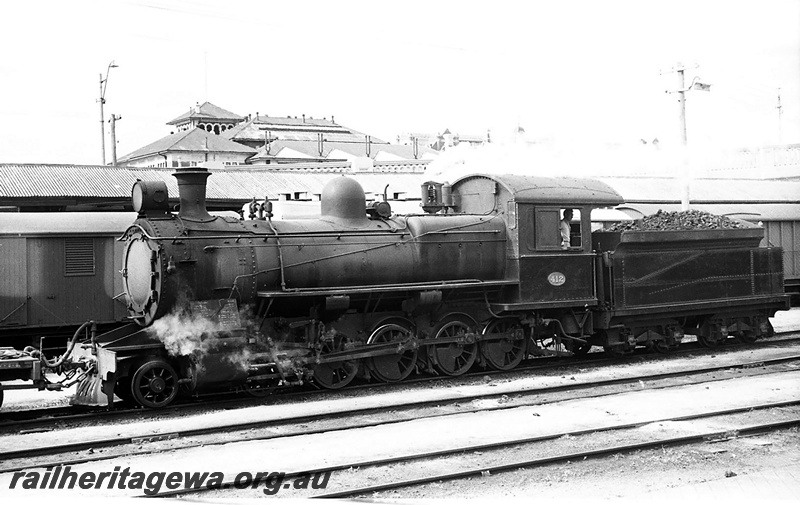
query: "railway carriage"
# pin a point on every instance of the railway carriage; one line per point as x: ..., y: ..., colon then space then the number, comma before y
x: 57, y: 271
x: 479, y: 279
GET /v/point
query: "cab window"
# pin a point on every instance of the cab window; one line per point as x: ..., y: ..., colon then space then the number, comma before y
x: 569, y: 228
x: 546, y: 229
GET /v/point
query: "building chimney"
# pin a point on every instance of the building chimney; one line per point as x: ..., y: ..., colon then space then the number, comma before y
x: 192, y: 193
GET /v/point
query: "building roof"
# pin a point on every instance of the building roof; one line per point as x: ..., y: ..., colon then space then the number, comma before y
x: 337, y: 150
x: 51, y: 185
x: 206, y: 111
x: 194, y: 140
x: 293, y: 128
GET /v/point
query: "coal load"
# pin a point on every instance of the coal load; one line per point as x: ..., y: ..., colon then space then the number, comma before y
x: 675, y: 221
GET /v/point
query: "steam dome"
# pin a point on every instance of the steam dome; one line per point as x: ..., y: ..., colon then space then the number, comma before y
x: 343, y: 198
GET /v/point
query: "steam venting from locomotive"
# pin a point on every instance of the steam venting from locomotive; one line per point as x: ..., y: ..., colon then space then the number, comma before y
x: 184, y: 333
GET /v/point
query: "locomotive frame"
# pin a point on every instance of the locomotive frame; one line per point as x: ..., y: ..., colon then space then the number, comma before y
x: 480, y: 278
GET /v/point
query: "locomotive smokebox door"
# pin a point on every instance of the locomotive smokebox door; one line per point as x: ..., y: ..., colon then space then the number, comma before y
x: 142, y: 277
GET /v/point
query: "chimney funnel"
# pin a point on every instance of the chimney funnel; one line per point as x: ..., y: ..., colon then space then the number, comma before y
x: 192, y: 193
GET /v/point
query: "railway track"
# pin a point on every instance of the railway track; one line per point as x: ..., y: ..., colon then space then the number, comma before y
x: 470, y: 459
x: 365, y: 414
x: 32, y: 420
x: 529, y: 463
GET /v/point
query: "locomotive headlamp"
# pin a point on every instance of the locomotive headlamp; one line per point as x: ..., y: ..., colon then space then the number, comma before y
x: 148, y: 196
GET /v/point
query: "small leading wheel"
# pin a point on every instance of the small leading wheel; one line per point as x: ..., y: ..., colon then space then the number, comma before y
x: 155, y: 384
x: 392, y: 367
x: 453, y: 358
x: 336, y: 374
x: 504, y: 353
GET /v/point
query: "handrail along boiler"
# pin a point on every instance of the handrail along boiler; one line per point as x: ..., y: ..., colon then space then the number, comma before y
x: 478, y: 279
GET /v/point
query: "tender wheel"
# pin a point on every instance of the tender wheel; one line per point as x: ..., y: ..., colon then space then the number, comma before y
x: 712, y: 335
x: 661, y: 347
x: 392, y: 367
x: 155, y: 384
x: 453, y: 358
x: 337, y: 374
x: 746, y: 336
x: 506, y: 353
x: 612, y: 351
x: 577, y: 348
x: 709, y: 341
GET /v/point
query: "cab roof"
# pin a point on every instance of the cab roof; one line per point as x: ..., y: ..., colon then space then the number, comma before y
x: 548, y: 190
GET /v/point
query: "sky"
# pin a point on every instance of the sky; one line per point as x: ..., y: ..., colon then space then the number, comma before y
x: 571, y: 72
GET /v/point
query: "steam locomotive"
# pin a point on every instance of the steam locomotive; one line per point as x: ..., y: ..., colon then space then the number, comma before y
x: 479, y: 279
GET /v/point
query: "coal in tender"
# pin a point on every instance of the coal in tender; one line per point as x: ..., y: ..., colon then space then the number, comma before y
x: 676, y: 221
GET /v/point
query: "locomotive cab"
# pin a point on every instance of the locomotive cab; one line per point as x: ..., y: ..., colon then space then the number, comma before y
x: 549, y: 274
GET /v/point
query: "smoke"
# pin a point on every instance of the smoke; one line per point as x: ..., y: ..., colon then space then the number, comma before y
x: 184, y: 333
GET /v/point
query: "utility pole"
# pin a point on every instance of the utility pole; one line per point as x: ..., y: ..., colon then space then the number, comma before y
x: 681, y: 90
x: 113, y: 121
x: 102, y: 100
x: 780, y: 122
x: 682, y: 103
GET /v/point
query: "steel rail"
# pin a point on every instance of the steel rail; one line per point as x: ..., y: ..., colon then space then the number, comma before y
x: 240, y: 426
x: 528, y: 440
x: 571, y: 456
x: 19, y: 419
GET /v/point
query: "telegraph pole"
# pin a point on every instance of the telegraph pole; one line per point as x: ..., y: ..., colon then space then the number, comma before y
x: 113, y: 121
x: 681, y: 91
x: 682, y: 102
x: 102, y: 100
x: 102, y: 121
x: 780, y: 113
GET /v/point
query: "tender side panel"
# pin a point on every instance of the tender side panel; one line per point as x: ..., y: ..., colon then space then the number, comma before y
x: 654, y: 277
